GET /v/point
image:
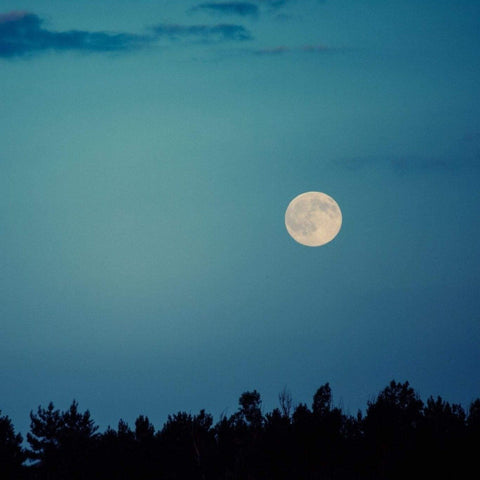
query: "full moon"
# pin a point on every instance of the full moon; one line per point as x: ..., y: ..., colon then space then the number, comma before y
x: 313, y: 219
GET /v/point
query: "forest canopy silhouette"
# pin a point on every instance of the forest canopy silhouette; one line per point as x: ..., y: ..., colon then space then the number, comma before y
x: 398, y: 436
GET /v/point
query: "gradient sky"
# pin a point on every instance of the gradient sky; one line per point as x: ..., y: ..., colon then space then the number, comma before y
x: 148, y: 151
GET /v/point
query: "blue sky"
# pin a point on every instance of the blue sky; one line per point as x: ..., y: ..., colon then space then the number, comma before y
x: 148, y: 151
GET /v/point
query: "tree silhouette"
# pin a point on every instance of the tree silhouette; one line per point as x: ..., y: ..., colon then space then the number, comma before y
x: 472, y: 436
x: 144, y: 430
x: 444, y: 436
x: 391, y: 426
x: 61, y: 442
x: 44, y: 438
x: 251, y: 409
x: 227, y: 445
x: 12, y: 454
x: 277, y: 445
x: 188, y: 445
x: 322, y: 401
x: 116, y: 453
x: 329, y: 431
x: 286, y: 402
x: 398, y: 437
x: 303, y: 441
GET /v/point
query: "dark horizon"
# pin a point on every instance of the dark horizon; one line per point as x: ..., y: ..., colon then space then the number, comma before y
x: 398, y: 435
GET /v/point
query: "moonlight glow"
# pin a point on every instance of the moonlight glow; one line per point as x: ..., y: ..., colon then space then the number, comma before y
x: 313, y: 219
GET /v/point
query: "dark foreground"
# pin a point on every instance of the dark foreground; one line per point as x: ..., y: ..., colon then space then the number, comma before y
x: 399, y: 437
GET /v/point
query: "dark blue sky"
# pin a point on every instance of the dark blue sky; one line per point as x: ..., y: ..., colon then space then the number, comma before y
x: 148, y: 151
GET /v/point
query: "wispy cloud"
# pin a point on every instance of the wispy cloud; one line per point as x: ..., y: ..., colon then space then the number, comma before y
x: 281, y: 3
x: 228, y: 8
x: 23, y: 33
x: 283, y: 49
x: 207, y: 33
x: 274, y: 3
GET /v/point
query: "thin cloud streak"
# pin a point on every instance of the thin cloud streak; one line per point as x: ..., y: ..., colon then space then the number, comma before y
x: 206, y: 33
x: 228, y: 8
x: 283, y: 49
x: 274, y: 3
x: 23, y: 33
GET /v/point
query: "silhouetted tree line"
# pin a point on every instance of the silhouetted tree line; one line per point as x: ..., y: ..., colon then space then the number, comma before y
x: 398, y: 437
